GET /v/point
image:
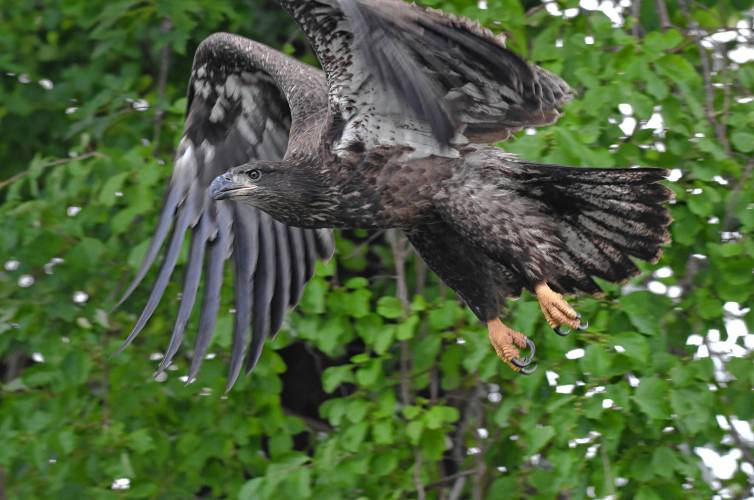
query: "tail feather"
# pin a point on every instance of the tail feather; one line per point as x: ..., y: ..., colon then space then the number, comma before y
x: 637, y: 211
x: 626, y: 239
x: 605, y: 217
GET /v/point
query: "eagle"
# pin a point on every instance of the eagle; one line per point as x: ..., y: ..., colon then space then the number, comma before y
x: 396, y: 131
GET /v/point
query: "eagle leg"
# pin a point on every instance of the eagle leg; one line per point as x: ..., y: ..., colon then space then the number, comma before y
x: 506, y: 343
x: 556, y: 310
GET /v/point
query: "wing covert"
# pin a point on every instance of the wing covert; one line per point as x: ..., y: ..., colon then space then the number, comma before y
x: 243, y: 104
x: 401, y: 74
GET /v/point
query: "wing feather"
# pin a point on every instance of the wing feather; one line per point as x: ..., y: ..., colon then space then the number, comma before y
x: 190, y: 287
x: 310, y: 247
x: 298, y: 265
x: 245, y: 261
x: 264, y: 289
x: 402, y: 75
x: 245, y: 99
x: 219, y: 252
x: 282, y: 277
x: 163, y: 278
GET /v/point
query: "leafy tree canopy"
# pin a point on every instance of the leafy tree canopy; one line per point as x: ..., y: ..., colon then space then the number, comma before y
x: 377, y: 387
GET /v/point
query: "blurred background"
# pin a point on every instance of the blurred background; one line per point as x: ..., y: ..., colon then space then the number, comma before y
x: 381, y: 384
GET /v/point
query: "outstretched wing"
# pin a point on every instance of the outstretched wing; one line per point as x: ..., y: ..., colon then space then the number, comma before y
x: 238, y: 110
x: 400, y: 74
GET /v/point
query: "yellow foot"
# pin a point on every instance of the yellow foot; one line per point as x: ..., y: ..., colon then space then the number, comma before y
x: 507, y: 342
x: 557, y: 311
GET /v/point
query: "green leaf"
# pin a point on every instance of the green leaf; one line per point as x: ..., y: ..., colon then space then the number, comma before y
x: 743, y: 141
x: 411, y: 411
x: 660, y: 41
x: 633, y: 345
x: 368, y: 375
x: 107, y: 195
x: 414, y: 431
x: 140, y: 441
x: 664, y: 462
x: 407, y: 328
x: 389, y: 307
x: 384, y: 463
x: 357, y: 410
x: 433, y: 444
x: 539, y: 436
x: 645, y: 310
x: 354, y: 436
x: 356, y: 283
x: 335, y: 375
x: 596, y: 361
x: 252, y: 489
x: 652, y: 397
x: 383, y: 432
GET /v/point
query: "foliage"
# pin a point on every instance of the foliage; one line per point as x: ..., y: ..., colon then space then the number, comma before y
x: 367, y: 393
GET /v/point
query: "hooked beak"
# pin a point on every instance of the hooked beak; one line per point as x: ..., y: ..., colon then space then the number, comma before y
x: 229, y: 186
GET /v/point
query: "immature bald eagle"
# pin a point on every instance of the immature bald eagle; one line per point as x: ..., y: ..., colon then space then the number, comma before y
x: 393, y: 134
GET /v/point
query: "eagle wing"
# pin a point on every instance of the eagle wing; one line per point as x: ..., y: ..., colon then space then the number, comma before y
x: 399, y: 74
x: 238, y: 110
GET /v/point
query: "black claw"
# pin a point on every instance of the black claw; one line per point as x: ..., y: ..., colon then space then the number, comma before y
x: 528, y: 370
x: 563, y: 333
x: 532, y: 348
x: 583, y: 326
x: 523, y: 363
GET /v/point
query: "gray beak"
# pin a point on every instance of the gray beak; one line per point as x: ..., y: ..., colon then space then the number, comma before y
x: 229, y: 185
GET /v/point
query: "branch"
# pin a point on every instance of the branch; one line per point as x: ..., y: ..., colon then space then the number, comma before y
x: 53, y: 163
x: 636, y: 14
x: 459, y: 448
x: 399, y: 259
x: 662, y: 12
x: 313, y: 424
x: 709, y: 91
x: 452, y: 477
x: 367, y: 242
x: 609, y: 481
x: 480, y: 468
x: 398, y: 246
x: 162, y: 80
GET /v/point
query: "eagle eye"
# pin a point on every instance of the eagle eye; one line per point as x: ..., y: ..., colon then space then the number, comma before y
x: 254, y: 174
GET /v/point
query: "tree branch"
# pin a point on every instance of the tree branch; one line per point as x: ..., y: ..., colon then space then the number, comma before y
x: 459, y: 446
x: 636, y: 15
x: 458, y: 475
x: 709, y: 91
x: 662, y: 13
x: 480, y: 468
x: 398, y: 247
x: 53, y: 163
x: 162, y: 80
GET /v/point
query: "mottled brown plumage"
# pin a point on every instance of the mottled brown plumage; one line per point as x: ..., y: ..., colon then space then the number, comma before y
x: 395, y: 135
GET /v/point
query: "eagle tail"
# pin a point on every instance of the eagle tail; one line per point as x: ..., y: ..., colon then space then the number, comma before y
x: 604, y: 216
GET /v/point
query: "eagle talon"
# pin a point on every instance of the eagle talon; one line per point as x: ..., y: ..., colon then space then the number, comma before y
x: 528, y: 370
x: 562, y: 332
x: 523, y: 363
x: 556, y: 310
x: 507, y: 343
